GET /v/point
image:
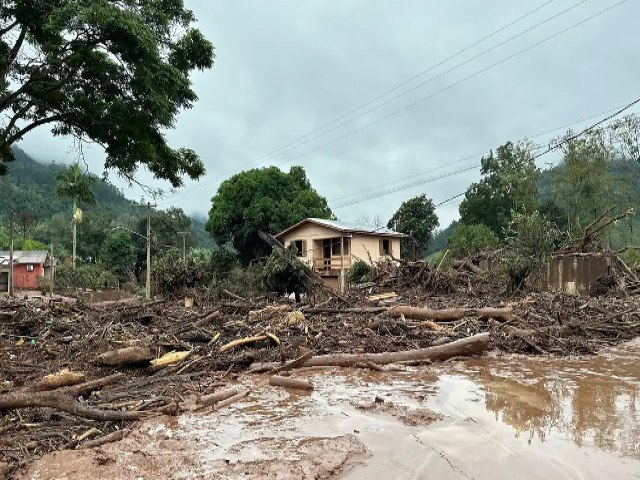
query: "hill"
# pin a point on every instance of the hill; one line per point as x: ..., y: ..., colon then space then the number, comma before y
x: 30, y: 187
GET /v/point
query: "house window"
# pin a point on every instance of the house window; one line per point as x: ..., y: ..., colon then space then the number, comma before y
x: 385, y: 247
x: 336, y: 251
x: 301, y: 248
x: 29, y: 268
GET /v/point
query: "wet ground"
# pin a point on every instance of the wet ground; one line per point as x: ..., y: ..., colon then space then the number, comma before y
x: 489, y: 418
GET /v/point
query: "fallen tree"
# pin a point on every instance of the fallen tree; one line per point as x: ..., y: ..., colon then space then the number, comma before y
x: 465, y: 347
x: 451, y: 314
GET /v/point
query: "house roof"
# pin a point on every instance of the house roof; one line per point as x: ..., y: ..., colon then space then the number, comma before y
x: 344, y: 227
x: 20, y: 257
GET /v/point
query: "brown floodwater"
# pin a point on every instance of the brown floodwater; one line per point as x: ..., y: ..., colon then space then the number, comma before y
x: 501, y: 418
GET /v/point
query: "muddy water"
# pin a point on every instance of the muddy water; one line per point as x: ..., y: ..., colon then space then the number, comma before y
x: 502, y: 418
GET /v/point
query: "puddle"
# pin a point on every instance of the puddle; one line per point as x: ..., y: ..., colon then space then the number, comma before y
x: 502, y: 418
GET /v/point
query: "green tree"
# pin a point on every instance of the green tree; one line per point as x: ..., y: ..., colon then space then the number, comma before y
x: 284, y: 273
x: 116, y: 73
x: 31, y: 245
x: 416, y: 217
x: 265, y: 199
x: 118, y: 254
x: 468, y: 240
x: 509, y: 183
x: 75, y: 185
x: 529, y: 242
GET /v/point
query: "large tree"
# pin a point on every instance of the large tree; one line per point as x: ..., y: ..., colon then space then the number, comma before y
x: 510, y: 182
x: 112, y: 72
x: 417, y: 218
x: 257, y: 200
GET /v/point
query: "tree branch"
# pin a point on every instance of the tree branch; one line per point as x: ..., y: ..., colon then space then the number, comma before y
x: 43, y: 121
x: 16, y: 49
x: 6, y: 30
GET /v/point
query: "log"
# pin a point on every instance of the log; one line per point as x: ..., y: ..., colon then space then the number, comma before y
x: 63, y: 378
x: 230, y: 400
x: 242, y: 341
x: 125, y: 356
x: 208, y: 400
x: 504, y: 314
x: 296, y: 383
x: 372, y: 310
x: 211, y: 316
x: 232, y: 295
x: 112, y: 437
x: 474, y: 345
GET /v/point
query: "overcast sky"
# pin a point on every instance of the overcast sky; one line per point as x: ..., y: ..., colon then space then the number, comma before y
x: 287, y: 68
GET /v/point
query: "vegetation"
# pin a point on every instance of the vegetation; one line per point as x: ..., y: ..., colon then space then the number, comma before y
x: 284, y: 273
x: 416, y: 217
x: 468, y: 240
x: 265, y: 199
x: 509, y: 184
x: 116, y: 73
x: 173, y: 275
x: 360, y: 272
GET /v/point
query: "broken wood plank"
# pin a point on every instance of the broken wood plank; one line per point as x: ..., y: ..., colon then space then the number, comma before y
x: 382, y: 296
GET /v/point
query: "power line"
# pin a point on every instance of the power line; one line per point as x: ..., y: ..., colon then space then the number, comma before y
x: 456, y: 172
x: 470, y: 157
x: 422, y: 99
x: 416, y: 76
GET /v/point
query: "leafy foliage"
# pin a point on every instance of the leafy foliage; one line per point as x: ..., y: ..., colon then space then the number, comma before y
x: 284, y: 273
x: 509, y: 183
x: 257, y: 200
x: 114, y: 72
x: 468, y: 240
x: 416, y: 217
x: 84, y: 277
x: 118, y: 254
x: 360, y: 272
x: 530, y: 240
x: 174, y: 276
x: 73, y: 184
x: 223, y: 261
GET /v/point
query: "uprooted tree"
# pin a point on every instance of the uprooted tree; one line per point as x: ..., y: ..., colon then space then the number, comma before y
x: 115, y: 73
x: 284, y: 273
x: 416, y: 218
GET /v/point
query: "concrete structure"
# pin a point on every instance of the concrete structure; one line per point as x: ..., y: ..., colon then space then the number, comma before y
x: 28, y: 267
x: 330, y: 247
x: 574, y: 273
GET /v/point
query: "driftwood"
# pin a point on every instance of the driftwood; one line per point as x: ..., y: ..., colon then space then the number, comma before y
x: 230, y: 400
x: 208, y: 400
x: 63, y: 378
x: 451, y: 314
x: 242, y: 341
x: 232, y: 295
x: 297, y: 383
x: 64, y: 399
x: 466, y: 265
x: 112, y: 437
x: 469, y: 346
x: 206, y: 319
x: 125, y: 356
x: 372, y: 310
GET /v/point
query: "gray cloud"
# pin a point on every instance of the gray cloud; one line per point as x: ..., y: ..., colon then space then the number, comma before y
x: 286, y: 67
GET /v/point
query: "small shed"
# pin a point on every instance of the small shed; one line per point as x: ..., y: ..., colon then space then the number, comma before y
x: 576, y: 272
x: 28, y: 267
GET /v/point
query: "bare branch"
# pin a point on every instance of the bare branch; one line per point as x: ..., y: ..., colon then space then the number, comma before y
x: 19, y: 134
x: 6, y: 30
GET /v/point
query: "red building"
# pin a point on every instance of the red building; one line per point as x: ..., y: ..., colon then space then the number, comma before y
x: 27, y: 268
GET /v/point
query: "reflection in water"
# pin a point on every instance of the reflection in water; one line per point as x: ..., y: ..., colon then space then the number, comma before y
x: 592, y: 401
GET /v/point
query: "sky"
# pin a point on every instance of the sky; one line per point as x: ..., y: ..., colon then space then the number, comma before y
x: 304, y: 83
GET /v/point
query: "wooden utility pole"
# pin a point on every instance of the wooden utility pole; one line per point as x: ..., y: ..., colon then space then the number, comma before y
x: 184, y: 245
x: 148, y: 289
x: 51, y: 272
x: 11, y: 257
x: 73, y: 254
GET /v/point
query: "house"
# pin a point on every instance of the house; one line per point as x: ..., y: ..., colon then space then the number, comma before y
x: 28, y: 267
x: 330, y: 247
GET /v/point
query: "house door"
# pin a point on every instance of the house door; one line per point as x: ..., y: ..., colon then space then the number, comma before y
x: 326, y: 248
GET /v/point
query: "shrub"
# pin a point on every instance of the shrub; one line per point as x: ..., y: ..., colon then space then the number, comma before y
x: 83, y: 277
x: 174, y: 276
x: 468, y: 240
x: 359, y: 272
x: 530, y: 241
x: 284, y: 273
x: 223, y: 261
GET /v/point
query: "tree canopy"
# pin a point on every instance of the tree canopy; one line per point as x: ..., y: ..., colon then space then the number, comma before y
x: 265, y: 199
x: 468, y: 240
x: 115, y: 73
x: 416, y: 217
x: 510, y: 182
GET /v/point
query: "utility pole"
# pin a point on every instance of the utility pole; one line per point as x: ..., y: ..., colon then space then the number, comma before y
x: 73, y: 254
x: 184, y: 245
x: 11, y: 257
x: 51, y: 271
x: 148, y: 290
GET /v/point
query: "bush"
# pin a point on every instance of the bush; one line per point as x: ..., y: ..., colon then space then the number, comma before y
x: 174, y: 276
x: 84, y: 277
x: 468, y: 240
x: 222, y: 262
x: 360, y: 272
x: 244, y: 281
x: 284, y: 273
x: 530, y: 241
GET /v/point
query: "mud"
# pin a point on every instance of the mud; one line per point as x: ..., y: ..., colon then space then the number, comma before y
x: 500, y: 417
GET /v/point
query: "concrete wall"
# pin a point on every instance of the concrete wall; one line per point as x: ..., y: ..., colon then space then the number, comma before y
x: 363, y: 246
x: 27, y: 280
x: 580, y: 270
x: 311, y: 234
